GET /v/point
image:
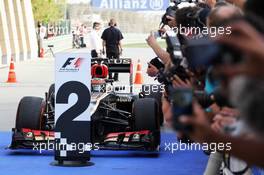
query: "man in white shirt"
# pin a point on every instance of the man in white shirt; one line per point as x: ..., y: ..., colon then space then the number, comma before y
x: 96, y: 41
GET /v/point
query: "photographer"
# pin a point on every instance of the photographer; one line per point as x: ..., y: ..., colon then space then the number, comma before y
x: 181, y: 77
x: 191, y: 20
x: 216, y: 127
x: 220, y: 14
x: 154, y: 66
x: 244, y: 38
x: 153, y: 70
x: 169, y: 20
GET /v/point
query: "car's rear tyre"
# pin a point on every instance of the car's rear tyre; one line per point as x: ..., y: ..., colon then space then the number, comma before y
x: 145, y: 111
x: 29, y: 113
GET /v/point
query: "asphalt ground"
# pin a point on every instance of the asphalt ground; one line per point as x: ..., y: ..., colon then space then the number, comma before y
x: 170, y: 160
x: 35, y: 76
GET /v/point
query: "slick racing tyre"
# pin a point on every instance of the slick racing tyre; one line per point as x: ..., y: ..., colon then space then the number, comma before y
x: 29, y: 113
x: 147, y: 92
x: 145, y: 112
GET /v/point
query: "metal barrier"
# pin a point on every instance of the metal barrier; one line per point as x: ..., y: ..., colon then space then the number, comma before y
x: 60, y: 43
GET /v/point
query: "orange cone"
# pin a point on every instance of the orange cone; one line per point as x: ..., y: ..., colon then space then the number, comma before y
x: 139, y: 76
x: 11, y: 74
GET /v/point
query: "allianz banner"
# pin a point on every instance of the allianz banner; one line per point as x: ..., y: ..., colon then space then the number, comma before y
x: 132, y: 5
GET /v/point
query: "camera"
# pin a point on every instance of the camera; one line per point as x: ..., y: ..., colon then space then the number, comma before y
x: 181, y: 100
x: 176, y: 68
x: 212, y: 53
x: 165, y: 76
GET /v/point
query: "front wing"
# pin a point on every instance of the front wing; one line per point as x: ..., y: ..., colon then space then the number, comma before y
x: 136, y: 140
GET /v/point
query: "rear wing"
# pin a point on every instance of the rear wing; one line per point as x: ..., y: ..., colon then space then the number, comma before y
x: 121, y: 65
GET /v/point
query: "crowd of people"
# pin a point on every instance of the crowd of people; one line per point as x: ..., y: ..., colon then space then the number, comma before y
x: 226, y: 67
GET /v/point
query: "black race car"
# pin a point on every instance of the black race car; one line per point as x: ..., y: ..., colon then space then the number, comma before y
x: 119, y: 120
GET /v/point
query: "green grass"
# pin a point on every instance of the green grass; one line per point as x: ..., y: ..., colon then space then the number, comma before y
x: 144, y: 45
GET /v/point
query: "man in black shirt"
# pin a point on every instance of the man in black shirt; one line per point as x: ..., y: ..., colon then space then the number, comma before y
x: 112, y: 42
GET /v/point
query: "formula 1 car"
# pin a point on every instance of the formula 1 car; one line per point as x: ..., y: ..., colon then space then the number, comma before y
x: 119, y: 120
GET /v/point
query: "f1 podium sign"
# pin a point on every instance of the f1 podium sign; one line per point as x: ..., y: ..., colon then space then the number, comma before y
x: 72, y: 116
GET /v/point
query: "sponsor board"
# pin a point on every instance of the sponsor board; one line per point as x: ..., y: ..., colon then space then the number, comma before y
x: 135, y: 5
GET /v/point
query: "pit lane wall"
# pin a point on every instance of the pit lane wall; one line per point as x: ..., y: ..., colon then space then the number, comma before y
x: 17, y: 31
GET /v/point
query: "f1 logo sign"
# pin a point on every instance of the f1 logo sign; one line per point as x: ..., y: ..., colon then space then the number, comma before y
x: 68, y: 62
x: 72, y: 63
